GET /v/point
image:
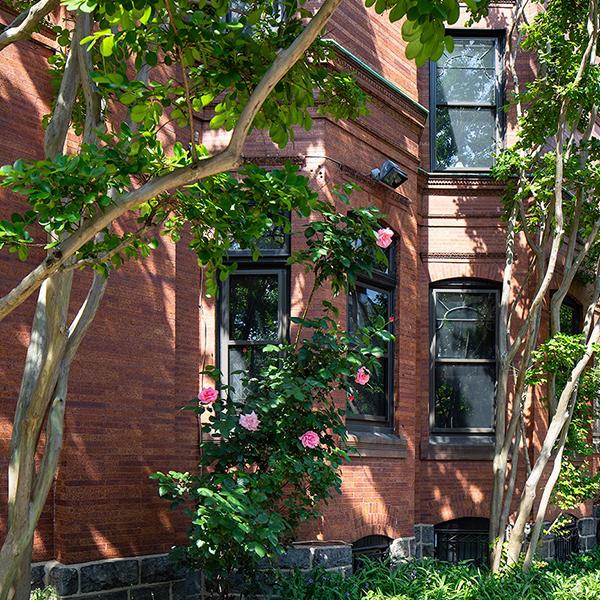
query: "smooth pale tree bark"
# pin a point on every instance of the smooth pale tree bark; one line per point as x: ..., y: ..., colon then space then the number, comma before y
x: 555, y: 255
x: 54, y: 342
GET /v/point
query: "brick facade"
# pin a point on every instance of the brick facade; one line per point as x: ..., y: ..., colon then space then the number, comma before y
x: 155, y: 329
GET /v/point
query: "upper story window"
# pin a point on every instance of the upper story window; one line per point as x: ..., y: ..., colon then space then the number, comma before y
x: 464, y: 355
x: 254, y: 310
x: 465, y: 97
x: 373, y: 296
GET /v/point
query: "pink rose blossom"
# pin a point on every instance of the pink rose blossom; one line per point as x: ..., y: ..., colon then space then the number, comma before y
x: 362, y: 376
x: 309, y: 439
x: 208, y: 395
x: 392, y: 319
x: 251, y: 422
x: 384, y: 237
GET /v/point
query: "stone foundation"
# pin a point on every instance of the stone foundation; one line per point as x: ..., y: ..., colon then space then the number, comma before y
x: 157, y: 578
x: 425, y: 541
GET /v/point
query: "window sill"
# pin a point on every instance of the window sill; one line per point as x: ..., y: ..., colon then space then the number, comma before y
x: 457, y: 447
x: 376, y: 444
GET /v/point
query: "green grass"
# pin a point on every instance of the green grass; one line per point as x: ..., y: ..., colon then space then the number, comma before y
x: 577, y: 579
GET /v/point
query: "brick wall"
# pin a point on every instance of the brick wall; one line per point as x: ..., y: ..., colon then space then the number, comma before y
x: 140, y: 360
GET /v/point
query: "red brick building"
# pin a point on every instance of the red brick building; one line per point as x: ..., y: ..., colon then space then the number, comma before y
x: 424, y: 444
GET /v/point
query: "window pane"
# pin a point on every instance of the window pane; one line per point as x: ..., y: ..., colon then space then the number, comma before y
x: 366, y: 304
x: 371, y: 401
x: 465, y: 339
x: 274, y: 239
x: 464, y: 396
x: 249, y: 360
x: 468, y: 74
x: 465, y: 137
x: 254, y: 307
x: 569, y: 319
x: 476, y: 306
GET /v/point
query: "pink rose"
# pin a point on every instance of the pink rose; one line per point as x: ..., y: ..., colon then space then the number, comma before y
x: 208, y: 395
x: 384, y: 237
x: 362, y: 376
x: 392, y: 319
x: 309, y: 439
x: 251, y: 422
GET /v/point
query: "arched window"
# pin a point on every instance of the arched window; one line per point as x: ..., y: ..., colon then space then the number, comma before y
x: 374, y: 547
x: 463, y: 356
x: 374, y: 297
x: 462, y: 539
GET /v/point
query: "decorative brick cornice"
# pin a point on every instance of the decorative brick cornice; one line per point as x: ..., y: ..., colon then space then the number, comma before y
x: 275, y: 160
x: 467, y: 183
x: 377, y: 86
x: 433, y: 256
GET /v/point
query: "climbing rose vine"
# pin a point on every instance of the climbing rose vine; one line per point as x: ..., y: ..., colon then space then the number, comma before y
x: 268, y: 462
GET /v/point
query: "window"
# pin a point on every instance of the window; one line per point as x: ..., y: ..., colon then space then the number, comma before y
x: 464, y: 355
x: 254, y: 308
x: 462, y: 539
x: 465, y: 98
x: 373, y: 297
x: 570, y: 316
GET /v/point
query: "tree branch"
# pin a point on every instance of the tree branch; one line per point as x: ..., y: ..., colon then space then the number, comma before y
x: 24, y: 25
x: 226, y: 160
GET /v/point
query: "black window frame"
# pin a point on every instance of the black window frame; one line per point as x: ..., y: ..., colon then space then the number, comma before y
x: 271, y: 261
x: 385, y: 282
x: 498, y: 36
x: 461, y: 285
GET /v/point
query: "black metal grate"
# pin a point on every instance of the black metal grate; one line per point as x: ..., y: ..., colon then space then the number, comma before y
x: 373, y: 547
x: 456, y: 545
x: 567, y: 543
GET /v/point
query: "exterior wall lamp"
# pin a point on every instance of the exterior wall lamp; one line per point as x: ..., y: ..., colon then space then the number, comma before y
x: 390, y: 174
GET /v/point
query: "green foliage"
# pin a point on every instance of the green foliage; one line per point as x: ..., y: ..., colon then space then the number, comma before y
x: 424, y: 25
x: 253, y: 487
x: 577, y: 579
x: 556, y: 357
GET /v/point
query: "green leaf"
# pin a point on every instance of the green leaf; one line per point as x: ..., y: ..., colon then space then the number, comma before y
x: 107, y: 44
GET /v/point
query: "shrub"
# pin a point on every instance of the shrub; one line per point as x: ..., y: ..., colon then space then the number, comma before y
x: 278, y: 452
x: 576, y: 579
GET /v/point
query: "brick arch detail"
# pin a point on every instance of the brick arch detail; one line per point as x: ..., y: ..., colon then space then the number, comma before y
x: 465, y: 270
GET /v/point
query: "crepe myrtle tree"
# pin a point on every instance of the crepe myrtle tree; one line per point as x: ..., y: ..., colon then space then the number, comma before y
x: 122, y: 71
x: 270, y: 461
x: 552, y: 219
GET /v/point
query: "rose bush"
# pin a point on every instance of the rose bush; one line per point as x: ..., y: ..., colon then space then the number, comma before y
x: 268, y: 463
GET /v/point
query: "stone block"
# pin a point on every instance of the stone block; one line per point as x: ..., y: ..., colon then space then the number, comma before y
x: 586, y: 526
x: 151, y: 592
x: 426, y: 551
x: 156, y: 569
x: 596, y: 511
x: 424, y: 534
x: 332, y: 556
x: 296, y: 557
x: 402, y: 549
x: 109, y: 575
x: 119, y: 595
x: 64, y: 579
x: 190, y: 587
x: 37, y: 577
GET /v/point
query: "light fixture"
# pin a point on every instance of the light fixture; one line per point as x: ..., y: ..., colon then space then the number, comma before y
x: 390, y: 174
